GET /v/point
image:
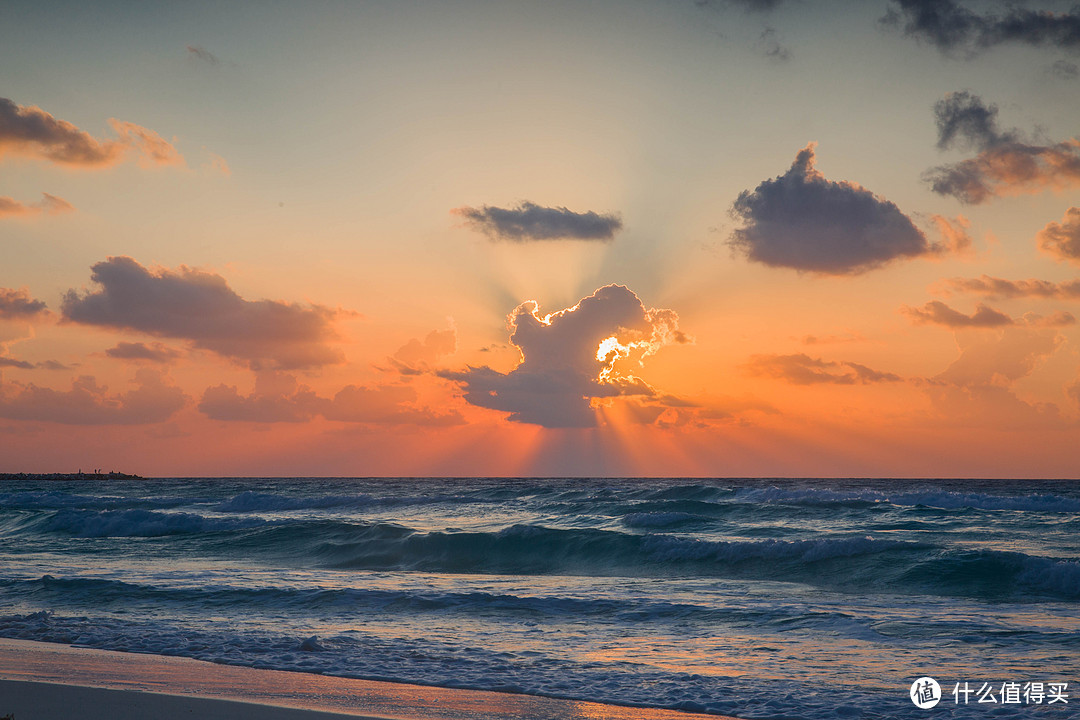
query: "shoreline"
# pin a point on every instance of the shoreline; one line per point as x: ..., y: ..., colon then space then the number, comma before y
x: 44, y: 681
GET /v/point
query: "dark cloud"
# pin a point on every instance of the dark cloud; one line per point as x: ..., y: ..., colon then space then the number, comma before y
x: 749, y: 5
x: 936, y: 312
x: 200, y: 306
x: 965, y: 121
x: 18, y: 305
x: 529, y: 221
x: 1005, y: 164
x: 801, y: 369
x: 280, y: 398
x: 955, y: 30
x: 23, y: 365
x: 1065, y: 70
x: 155, y: 399
x: 197, y: 52
x: 1062, y: 239
x: 1002, y: 289
x: 571, y: 357
x: 152, y: 352
x: 49, y: 204
x: 770, y: 46
x: 12, y: 362
x: 30, y: 131
x: 801, y: 220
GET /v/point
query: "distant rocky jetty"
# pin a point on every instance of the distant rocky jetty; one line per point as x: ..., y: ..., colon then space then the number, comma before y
x: 96, y: 475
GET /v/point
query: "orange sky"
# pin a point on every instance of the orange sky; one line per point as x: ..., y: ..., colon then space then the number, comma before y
x: 622, y: 239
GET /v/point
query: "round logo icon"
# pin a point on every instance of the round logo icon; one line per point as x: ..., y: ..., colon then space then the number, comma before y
x: 925, y: 693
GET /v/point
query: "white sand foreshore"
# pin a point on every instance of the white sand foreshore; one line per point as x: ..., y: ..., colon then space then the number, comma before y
x: 44, y: 681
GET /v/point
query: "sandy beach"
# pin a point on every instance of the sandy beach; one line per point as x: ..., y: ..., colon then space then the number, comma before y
x: 45, y: 681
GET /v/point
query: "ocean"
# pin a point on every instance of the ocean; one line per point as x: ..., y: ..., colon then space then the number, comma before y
x: 755, y: 598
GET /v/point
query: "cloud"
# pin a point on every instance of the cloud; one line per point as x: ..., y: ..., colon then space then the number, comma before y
x: 155, y: 399
x: 955, y: 239
x: 385, y: 405
x: 1058, y: 319
x: 197, y: 52
x: 30, y: 131
x: 936, y: 312
x: 770, y: 46
x: 801, y: 369
x: 1065, y: 70
x: 570, y: 357
x: 1000, y: 358
x: 18, y: 305
x: 955, y: 30
x: 199, y: 306
x: 848, y: 337
x: 1000, y: 288
x: 976, y: 389
x: 12, y: 362
x: 1005, y: 164
x: 1072, y: 390
x: 154, y: 352
x: 529, y: 221
x: 748, y: 5
x: 278, y: 397
x: 49, y: 204
x: 1062, y: 239
x: 216, y: 164
x: 23, y: 365
x: 993, y: 407
x: 416, y: 356
x: 801, y: 220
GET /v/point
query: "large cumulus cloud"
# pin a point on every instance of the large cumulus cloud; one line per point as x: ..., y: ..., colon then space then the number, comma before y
x: 803, y: 221
x: 529, y: 221
x: 199, y: 306
x: 571, y: 357
x: 1005, y: 163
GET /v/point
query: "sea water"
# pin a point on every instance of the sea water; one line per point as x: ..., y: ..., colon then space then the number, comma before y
x: 755, y: 598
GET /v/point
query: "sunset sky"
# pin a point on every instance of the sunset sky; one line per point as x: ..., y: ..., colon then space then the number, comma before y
x: 655, y: 237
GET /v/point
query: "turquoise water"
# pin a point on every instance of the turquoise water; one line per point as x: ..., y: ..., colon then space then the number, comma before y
x: 761, y: 599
